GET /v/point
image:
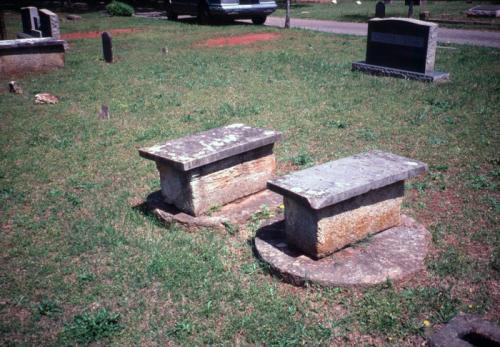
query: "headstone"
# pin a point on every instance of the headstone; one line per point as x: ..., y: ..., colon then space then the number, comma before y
x: 484, y: 11
x: 401, y: 47
x: 214, y: 167
x: 49, y: 24
x: 387, y: 2
x: 380, y: 10
x: 3, y: 31
x: 424, y: 15
x: 31, y: 21
x: 107, y: 48
x: 415, y: 2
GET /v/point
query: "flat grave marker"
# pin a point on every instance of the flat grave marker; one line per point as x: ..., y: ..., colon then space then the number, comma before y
x: 484, y: 11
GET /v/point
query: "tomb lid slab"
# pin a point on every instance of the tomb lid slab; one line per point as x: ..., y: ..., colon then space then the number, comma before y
x: 31, y: 42
x: 327, y: 184
x: 209, y: 146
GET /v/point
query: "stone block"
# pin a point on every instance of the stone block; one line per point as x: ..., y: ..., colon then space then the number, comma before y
x: 330, y: 206
x: 401, y: 47
x: 49, y: 24
x: 215, y: 167
x: 30, y: 55
x: 467, y: 331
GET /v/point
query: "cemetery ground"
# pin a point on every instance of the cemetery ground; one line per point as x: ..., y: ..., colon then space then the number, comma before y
x: 83, y: 260
x: 349, y: 11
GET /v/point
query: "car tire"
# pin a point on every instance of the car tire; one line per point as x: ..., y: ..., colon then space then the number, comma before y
x: 203, y: 15
x: 259, y: 20
x: 171, y: 15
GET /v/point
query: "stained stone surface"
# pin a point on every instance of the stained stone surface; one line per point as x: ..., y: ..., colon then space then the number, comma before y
x: 467, y: 331
x: 236, y: 213
x: 216, y: 184
x: 207, y: 147
x: 28, y: 55
x: 330, y: 183
x: 319, y: 233
x: 394, y: 254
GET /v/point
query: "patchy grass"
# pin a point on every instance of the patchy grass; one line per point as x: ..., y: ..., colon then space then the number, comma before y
x: 349, y: 11
x: 83, y: 262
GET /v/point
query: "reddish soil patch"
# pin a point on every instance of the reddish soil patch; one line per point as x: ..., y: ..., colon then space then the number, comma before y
x: 95, y: 34
x: 239, y: 40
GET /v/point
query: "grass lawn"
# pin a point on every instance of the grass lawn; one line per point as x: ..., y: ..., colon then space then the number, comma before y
x: 349, y: 11
x: 83, y: 262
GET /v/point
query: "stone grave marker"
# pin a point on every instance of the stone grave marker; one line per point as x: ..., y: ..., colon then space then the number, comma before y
x: 3, y: 30
x: 415, y: 2
x: 484, y: 11
x: 31, y: 22
x: 401, y: 47
x: 107, y: 47
x: 49, y: 24
x: 214, y: 167
x: 332, y: 205
x: 380, y: 10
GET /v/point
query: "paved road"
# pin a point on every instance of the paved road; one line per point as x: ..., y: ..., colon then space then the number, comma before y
x: 459, y: 36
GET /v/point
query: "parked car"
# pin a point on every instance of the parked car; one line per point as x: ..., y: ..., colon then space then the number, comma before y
x: 256, y: 10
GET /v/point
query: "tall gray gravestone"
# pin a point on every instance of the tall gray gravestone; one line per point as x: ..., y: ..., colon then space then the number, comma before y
x: 49, y: 24
x: 31, y: 21
x: 401, y: 47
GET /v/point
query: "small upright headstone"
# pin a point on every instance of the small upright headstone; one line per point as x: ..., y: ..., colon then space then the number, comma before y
x: 3, y: 31
x: 107, y: 48
x: 49, y: 24
x: 380, y: 10
x: 31, y: 21
x: 401, y: 47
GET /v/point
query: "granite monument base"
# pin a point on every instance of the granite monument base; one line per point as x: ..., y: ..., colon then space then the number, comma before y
x: 435, y: 76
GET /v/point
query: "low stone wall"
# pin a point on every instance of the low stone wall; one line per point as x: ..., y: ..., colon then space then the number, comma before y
x: 30, y: 55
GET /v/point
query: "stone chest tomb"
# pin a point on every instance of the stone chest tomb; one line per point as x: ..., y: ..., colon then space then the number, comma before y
x: 332, y: 205
x: 215, y: 167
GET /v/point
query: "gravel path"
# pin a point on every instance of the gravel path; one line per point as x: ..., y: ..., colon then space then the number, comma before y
x: 458, y: 36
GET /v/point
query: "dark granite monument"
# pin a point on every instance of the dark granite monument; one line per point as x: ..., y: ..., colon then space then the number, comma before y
x: 400, y: 47
x: 107, y: 47
x: 31, y: 22
x: 49, y: 24
x: 380, y: 10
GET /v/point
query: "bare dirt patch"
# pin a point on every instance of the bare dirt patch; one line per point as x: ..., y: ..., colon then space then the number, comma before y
x: 239, y: 40
x: 96, y: 34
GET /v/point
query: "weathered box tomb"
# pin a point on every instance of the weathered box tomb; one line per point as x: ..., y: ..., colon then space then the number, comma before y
x: 215, y: 167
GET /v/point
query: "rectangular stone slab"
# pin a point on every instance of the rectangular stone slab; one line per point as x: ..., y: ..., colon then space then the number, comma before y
x: 327, y: 184
x: 210, y: 146
x: 28, y: 55
x: 319, y: 233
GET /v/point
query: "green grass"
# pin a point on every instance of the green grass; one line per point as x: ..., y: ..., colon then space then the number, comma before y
x: 349, y: 11
x: 83, y: 262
